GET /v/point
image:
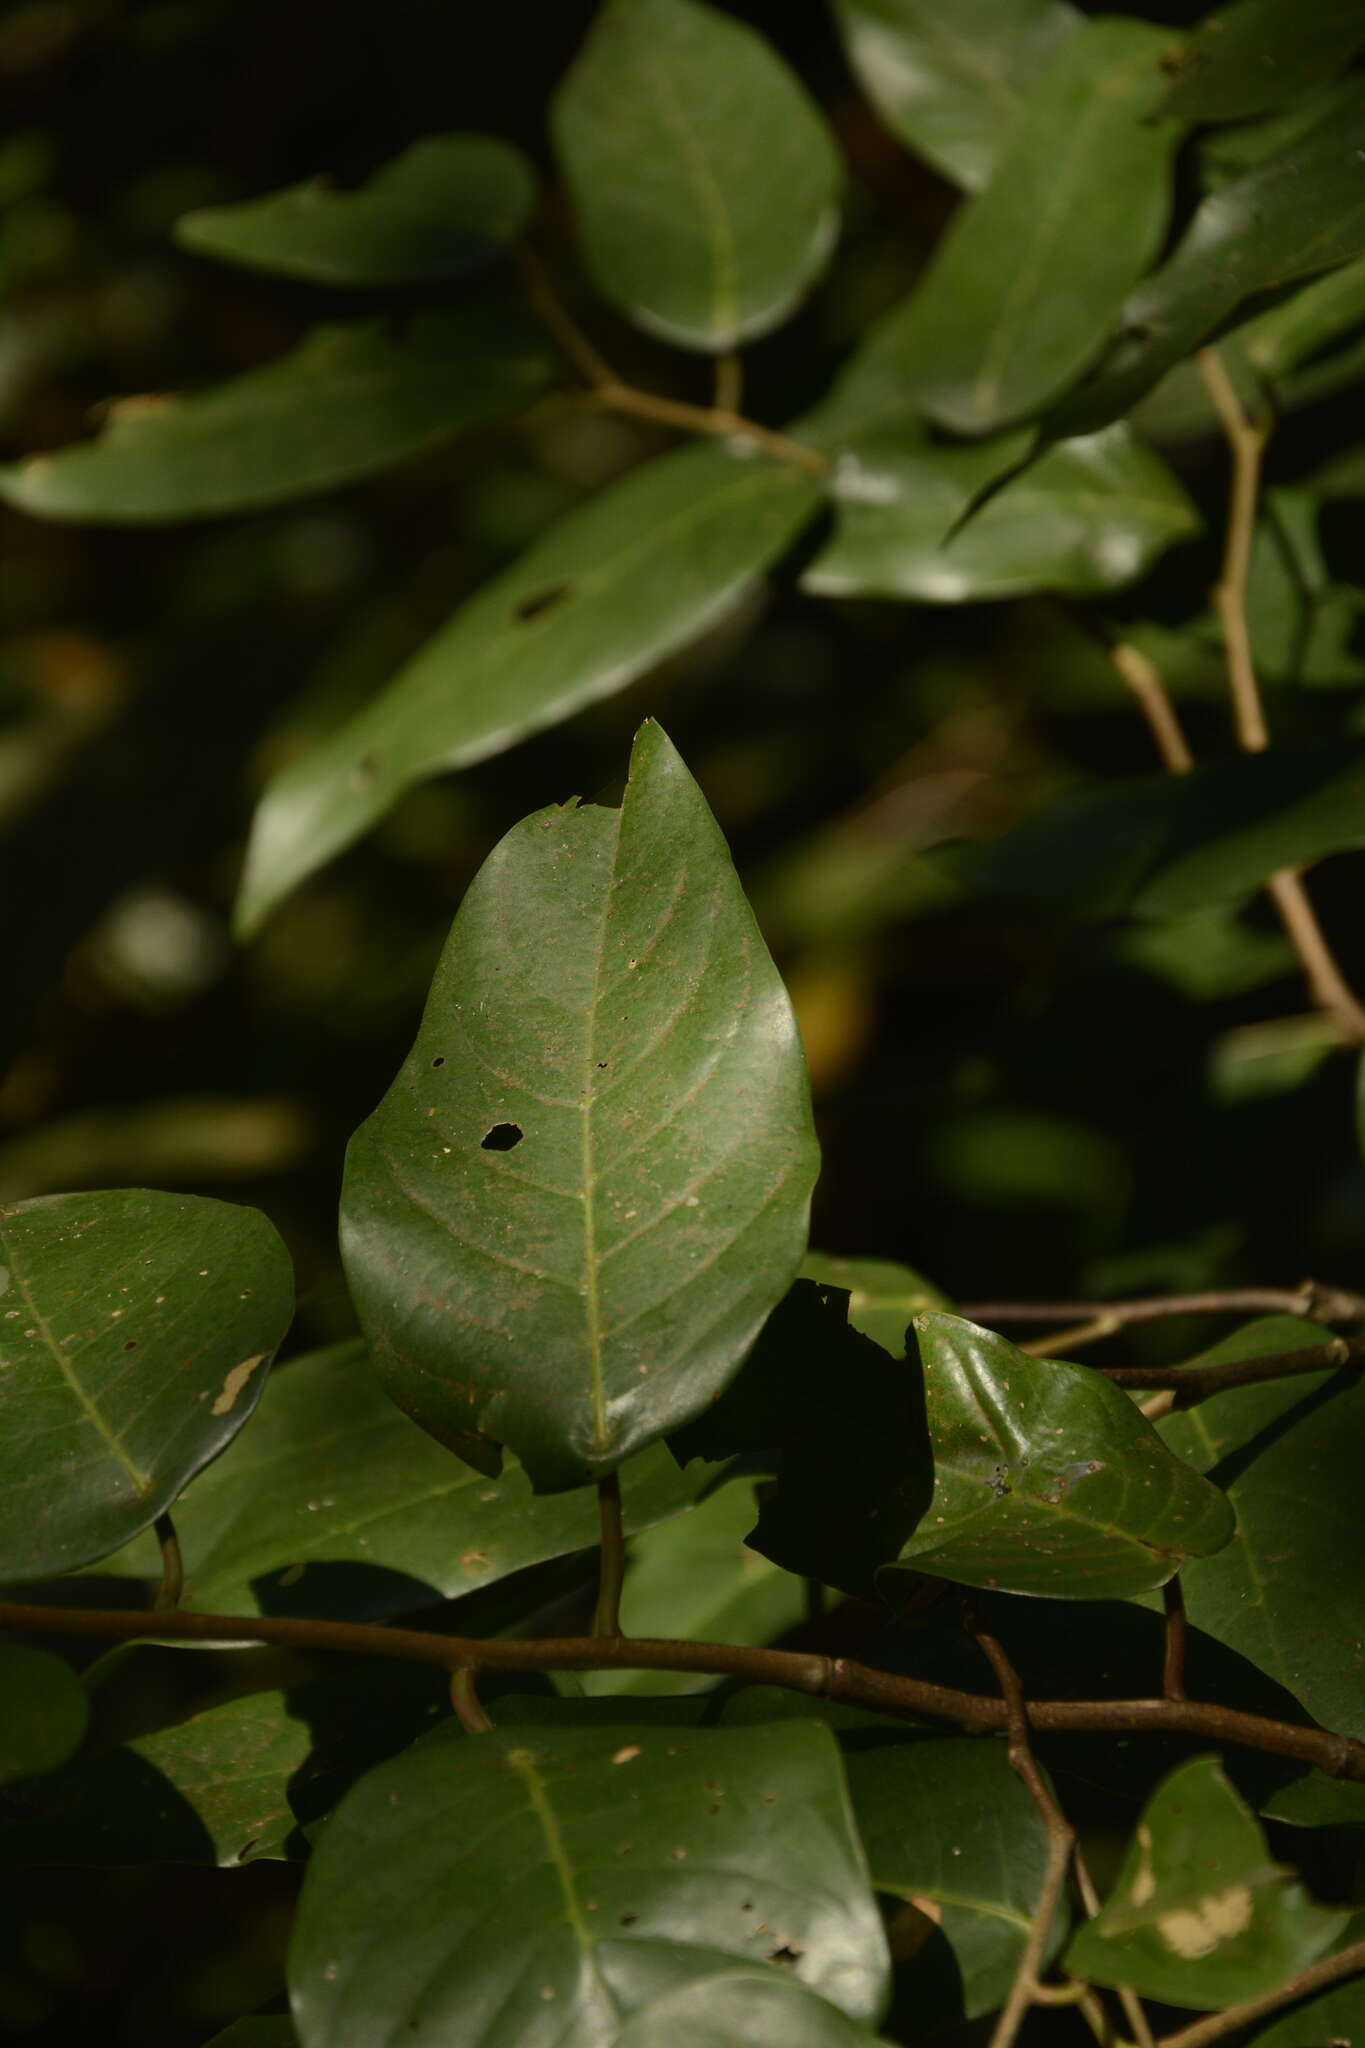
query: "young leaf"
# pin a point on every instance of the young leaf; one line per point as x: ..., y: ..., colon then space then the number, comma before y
x: 883, y: 1295
x: 1046, y: 1478
x: 136, y: 1329
x: 1092, y: 515
x: 1026, y: 284
x: 569, y: 1217
x: 615, y: 587
x: 467, y: 1886
x: 1200, y: 1916
x: 954, y: 82
x: 43, y: 1711
x: 704, y: 181
x: 947, y: 1819
x: 1257, y: 55
x: 441, y: 209
x: 337, y: 1504
x: 349, y: 400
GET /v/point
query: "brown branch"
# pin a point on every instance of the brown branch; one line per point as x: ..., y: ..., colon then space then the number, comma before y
x: 1317, y: 1303
x: 1134, y: 2011
x: 1191, y: 1383
x: 1173, y: 1662
x: 464, y: 1698
x: 172, y: 1564
x: 820, y: 1677
x: 1328, y: 984
x: 1344, y: 1963
x: 607, y: 1614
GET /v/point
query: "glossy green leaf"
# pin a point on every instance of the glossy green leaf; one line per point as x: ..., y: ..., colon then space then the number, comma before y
x: 629, y: 578
x: 533, y: 1887
x: 43, y: 1711
x: 1311, y: 319
x: 135, y: 1333
x: 883, y: 1295
x: 1046, y: 1477
x: 606, y: 1014
x: 349, y: 400
x: 337, y: 1504
x: 948, y: 1820
x: 235, y: 1783
x: 954, y: 81
x: 441, y: 209
x: 742, y: 2008
x: 1301, y: 212
x: 1092, y: 515
x: 697, y: 1578
x: 705, y: 182
x: 1200, y: 1916
x: 1331, y: 2020
x: 1027, y: 282
x: 1288, y: 1592
x: 1257, y: 55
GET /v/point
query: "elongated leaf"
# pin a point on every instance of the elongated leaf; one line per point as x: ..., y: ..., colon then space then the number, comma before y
x: 704, y: 180
x: 533, y: 1887
x: 43, y: 1711
x: 443, y: 208
x: 631, y: 577
x: 947, y: 1820
x: 349, y: 400
x: 1301, y: 212
x: 1288, y: 1592
x: 883, y: 1295
x: 1046, y: 1477
x: 1200, y: 1916
x: 1092, y: 515
x: 1029, y: 278
x: 1261, y: 54
x: 696, y: 1577
x: 337, y: 1504
x: 569, y: 1217
x: 1312, y: 318
x: 134, y: 1340
x: 742, y: 2008
x: 954, y: 82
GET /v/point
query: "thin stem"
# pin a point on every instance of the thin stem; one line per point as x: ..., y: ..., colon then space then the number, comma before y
x: 464, y: 1698
x: 172, y: 1565
x: 1061, y: 1838
x: 591, y: 365
x: 1318, y: 1303
x: 1344, y: 1963
x: 606, y: 1619
x: 1173, y: 1661
x: 1133, y: 2009
x: 1145, y: 681
x: 1325, y: 979
x: 819, y: 1677
x: 1191, y: 1383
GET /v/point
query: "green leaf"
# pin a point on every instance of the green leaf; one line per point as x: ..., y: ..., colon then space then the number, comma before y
x: 1047, y: 1479
x: 336, y: 1504
x: 1301, y: 212
x: 1200, y: 1916
x: 1288, y: 1592
x: 441, y: 209
x: 1092, y: 515
x: 742, y: 2008
x: 43, y: 1711
x: 1027, y: 282
x: 469, y: 1885
x: 697, y: 1578
x: 1261, y: 54
x: 883, y: 1295
x: 566, y: 1222
x: 136, y: 1330
x: 1332, y: 2017
x: 704, y: 180
x: 349, y: 400
x: 948, y: 1820
x: 954, y: 82
x: 615, y: 587
x: 1307, y: 322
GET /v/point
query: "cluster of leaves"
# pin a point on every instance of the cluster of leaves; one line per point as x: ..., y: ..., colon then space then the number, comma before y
x: 575, y: 1230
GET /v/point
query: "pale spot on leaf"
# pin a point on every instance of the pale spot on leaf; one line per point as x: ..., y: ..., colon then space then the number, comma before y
x: 235, y: 1381
x: 1198, y: 1930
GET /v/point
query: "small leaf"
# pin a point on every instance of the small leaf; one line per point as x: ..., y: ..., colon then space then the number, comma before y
x: 1200, y: 1916
x: 43, y: 1711
x: 1026, y: 284
x: 441, y: 209
x: 742, y: 2008
x: 883, y: 1295
x: 349, y: 400
x: 947, y: 1820
x: 566, y: 1222
x: 1257, y: 55
x: 1046, y: 1478
x: 704, y: 180
x: 954, y: 82
x: 616, y: 586
x: 1092, y: 515
x: 135, y: 1333
x: 466, y: 1886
